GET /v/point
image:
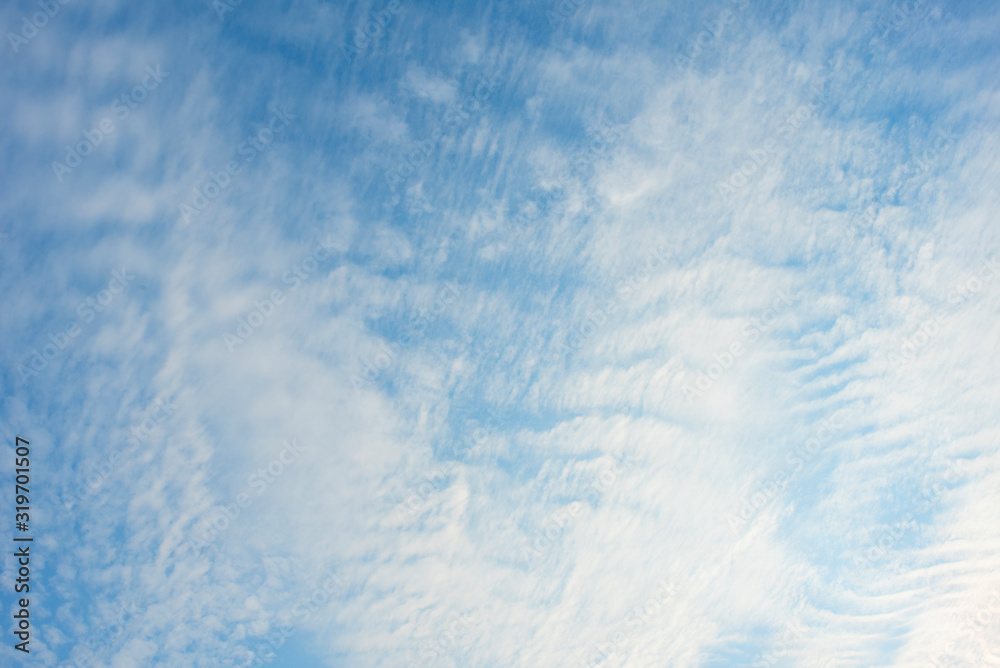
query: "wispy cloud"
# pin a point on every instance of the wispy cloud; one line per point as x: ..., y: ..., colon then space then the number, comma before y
x: 406, y: 334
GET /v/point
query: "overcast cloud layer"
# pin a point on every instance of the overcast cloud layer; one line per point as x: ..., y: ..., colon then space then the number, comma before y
x: 556, y: 334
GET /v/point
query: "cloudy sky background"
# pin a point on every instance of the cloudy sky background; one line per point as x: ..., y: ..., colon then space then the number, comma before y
x: 522, y: 436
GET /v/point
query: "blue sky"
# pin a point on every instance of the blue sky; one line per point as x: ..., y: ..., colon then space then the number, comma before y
x: 538, y: 334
